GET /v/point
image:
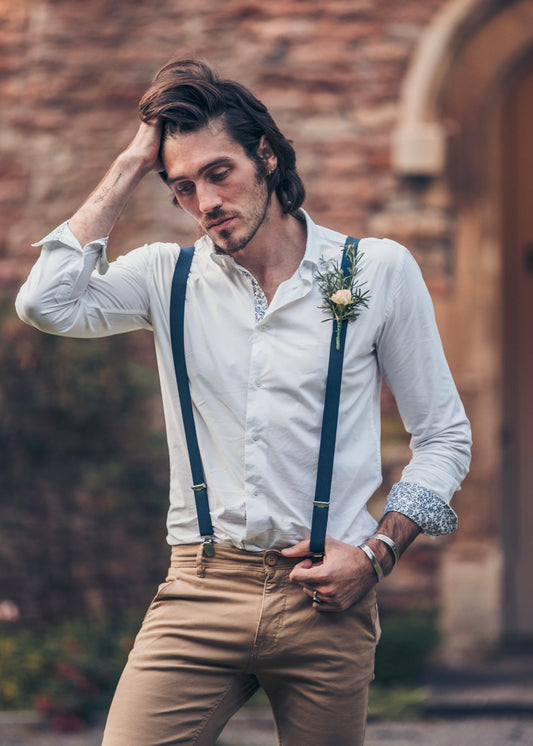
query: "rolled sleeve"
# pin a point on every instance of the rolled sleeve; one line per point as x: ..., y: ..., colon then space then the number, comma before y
x: 423, y: 507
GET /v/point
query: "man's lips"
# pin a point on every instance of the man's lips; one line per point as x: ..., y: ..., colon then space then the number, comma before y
x: 220, y: 224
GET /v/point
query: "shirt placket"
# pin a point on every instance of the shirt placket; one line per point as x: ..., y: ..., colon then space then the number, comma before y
x: 256, y: 434
x: 259, y: 407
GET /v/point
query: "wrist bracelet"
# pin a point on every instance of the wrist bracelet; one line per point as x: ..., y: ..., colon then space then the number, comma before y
x: 374, y: 560
x: 389, y: 542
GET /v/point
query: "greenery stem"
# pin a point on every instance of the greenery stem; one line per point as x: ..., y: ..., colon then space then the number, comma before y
x: 338, y: 339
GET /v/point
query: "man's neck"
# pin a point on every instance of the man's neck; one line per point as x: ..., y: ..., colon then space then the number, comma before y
x: 275, y: 252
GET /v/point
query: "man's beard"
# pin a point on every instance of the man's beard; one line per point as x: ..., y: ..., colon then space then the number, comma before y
x: 238, y: 244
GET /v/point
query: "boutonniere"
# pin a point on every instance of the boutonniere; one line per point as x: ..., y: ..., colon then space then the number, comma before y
x: 341, y: 294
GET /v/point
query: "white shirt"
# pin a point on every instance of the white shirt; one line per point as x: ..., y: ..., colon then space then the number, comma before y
x: 257, y: 381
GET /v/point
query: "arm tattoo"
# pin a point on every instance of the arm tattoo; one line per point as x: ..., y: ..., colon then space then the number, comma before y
x: 105, y: 190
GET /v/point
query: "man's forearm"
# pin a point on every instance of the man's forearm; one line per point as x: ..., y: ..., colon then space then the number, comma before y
x: 96, y: 218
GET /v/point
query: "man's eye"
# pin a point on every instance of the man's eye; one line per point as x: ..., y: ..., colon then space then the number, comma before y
x: 184, y: 189
x: 219, y: 175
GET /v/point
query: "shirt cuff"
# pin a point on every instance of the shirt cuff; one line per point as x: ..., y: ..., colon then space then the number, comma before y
x: 63, y: 235
x: 424, y: 507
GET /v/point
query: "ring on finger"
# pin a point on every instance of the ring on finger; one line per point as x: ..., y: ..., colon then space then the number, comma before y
x: 316, y: 599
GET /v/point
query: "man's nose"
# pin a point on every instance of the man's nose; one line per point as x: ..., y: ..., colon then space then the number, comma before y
x: 208, y: 198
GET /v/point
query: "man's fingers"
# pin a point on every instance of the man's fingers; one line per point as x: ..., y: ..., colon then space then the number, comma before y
x: 321, y: 600
x: 146, y: 145
x: 297, y: 550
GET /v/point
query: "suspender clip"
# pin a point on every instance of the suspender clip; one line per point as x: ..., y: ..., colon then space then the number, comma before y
x: 208, y: 546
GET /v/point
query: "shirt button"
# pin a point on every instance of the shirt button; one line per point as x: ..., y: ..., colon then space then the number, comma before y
x: 255, y: 493
x: 255, y: 436
x: 259, y: 383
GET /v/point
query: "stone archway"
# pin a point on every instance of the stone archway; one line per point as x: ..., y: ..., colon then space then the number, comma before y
x: 448, y: 143
x: 419, y: 142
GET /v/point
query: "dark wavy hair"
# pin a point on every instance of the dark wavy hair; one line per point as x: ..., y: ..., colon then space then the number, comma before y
x: 186, y: 95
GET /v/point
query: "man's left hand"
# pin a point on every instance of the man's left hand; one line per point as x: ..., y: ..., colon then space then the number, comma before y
x: 342, y: 578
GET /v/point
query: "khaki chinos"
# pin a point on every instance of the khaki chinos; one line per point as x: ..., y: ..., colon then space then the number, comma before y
x: 217, y: 629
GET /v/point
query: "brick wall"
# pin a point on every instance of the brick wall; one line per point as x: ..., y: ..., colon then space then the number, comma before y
x: 71, y: 74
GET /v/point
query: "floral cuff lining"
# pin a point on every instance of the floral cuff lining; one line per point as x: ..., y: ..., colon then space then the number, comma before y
x: 424, y: 507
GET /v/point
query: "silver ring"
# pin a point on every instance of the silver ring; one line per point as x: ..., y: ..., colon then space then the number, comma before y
x: 316, y: 599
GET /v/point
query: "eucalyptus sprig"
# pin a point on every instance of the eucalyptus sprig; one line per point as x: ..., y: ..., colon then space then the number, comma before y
x: 341, y: 295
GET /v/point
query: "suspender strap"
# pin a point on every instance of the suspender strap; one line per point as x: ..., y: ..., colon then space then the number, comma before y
x: 177, y: 316
x: 329, y: 431
x: 329, y: 421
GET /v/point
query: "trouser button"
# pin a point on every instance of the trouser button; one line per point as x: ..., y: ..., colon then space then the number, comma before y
x: 271, y: 558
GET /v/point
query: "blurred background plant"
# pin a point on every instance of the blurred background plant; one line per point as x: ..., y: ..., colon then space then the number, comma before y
x: 84, y: 483
x: 84, y: 477
x: 68, y: 672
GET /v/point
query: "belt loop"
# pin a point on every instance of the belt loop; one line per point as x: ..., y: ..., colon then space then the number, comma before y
x: 200, y: 561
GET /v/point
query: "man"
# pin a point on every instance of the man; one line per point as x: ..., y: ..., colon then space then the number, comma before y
x: 256, y: 608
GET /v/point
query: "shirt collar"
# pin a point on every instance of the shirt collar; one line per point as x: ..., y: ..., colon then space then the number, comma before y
x: 313, y: 250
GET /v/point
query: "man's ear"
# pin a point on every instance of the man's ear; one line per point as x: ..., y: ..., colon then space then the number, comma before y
x: 267, y: 155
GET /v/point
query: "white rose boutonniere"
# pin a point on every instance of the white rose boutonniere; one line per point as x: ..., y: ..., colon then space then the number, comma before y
x: 341, y: 295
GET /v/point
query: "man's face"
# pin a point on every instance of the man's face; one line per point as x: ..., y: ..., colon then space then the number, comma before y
x: 215, y: 181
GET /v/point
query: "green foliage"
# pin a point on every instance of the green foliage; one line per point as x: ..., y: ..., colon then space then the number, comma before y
x: 84, y: 477
x: 68, y: 672
x: 395, y: 702
x: 331, y: 279
x: 407, y: 642
x: 21, y: 664
x: 341, y: 295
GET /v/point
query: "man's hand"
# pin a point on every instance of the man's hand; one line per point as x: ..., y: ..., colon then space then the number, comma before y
x: 145, y: 146
x: 342, y: 578
x: 345, y: 575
